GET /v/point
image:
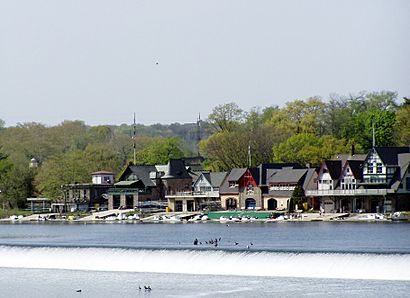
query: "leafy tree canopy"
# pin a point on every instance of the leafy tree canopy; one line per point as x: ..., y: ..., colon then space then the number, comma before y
x: 309, y: 149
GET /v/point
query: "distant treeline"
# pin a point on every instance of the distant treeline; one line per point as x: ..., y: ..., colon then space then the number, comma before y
x: 304, y: 131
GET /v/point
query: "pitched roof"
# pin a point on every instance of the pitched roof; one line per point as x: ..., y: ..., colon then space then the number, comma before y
x: 265, y: 168
x: 236, y: 174
x: 143, y: 174
x: 334, y: 167
x: 309, y: 175
x: 356, y: 167
x: 355, y: 161
x: 217, y: 178
x: 176, y: 170
x: 255, y: 174
x: 389, y: 155
x: 287, y: 176
x: 404, y: 166
x: 404, y: 161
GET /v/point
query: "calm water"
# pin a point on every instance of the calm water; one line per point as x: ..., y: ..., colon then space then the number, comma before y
x: 250, y: 260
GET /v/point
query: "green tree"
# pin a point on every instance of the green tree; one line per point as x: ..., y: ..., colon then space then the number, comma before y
x: 383, y: 100
x: 226, y: 117
x: 309, y: 149
x: 160, y: 151
x: 16, y: 184
x: 100, y: 134
x: 298, y: 198
x: 300, y: 116
x: 402, y: 125
x: 384, y: 122
x: 74, y: 167
x: 68, y: 136
x: 227, y: 150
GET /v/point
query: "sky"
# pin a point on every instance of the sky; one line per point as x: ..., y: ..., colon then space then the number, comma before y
x: 100, y: 61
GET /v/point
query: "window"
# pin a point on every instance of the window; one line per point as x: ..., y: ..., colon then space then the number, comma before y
x: 390, y: 170
x: 205, y: 188
x: 370, y: 169
x: 379, y: 168
x: 232, y: 184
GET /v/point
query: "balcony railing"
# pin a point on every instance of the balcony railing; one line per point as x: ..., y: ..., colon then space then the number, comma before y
x: 209, y: 194
x: 121, y: 190
x: 349, y: 192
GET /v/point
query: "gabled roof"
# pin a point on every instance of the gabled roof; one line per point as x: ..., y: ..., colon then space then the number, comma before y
x: 255, y: 174
x: 334, y: 167
x: 233, y: 176
x: 389, y: 155
x: 142, y: 173
x: 404, y: 166
x: 356, y: 167
x: 404, y: 163
x: 215, y: 179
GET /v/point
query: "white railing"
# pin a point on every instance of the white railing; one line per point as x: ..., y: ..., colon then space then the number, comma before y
x: 209, y: 194
x: 348, y: 192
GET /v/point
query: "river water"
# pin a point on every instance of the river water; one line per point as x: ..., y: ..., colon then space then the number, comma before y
x: 316, y: 259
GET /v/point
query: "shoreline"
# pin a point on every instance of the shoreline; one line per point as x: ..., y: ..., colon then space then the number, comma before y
x: 119, y: 216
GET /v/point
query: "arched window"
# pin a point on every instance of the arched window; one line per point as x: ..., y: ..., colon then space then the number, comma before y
x: 250, y: 203
x: 272, y: 204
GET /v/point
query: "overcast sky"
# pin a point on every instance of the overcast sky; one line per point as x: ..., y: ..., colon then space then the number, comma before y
x: 101, y: 60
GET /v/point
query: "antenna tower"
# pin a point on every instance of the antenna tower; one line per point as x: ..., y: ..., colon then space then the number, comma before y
x: 133, y: 140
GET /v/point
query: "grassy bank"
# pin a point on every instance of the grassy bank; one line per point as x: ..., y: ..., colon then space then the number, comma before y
x: 5, y: 213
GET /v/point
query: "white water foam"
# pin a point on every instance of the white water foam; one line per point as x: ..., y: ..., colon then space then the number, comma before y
x: 275, y: 264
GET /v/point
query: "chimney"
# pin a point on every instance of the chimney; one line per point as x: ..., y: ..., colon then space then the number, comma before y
x: 353, y: 150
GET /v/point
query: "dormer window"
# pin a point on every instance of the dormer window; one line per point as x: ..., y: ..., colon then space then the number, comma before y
x: 232, y: 184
